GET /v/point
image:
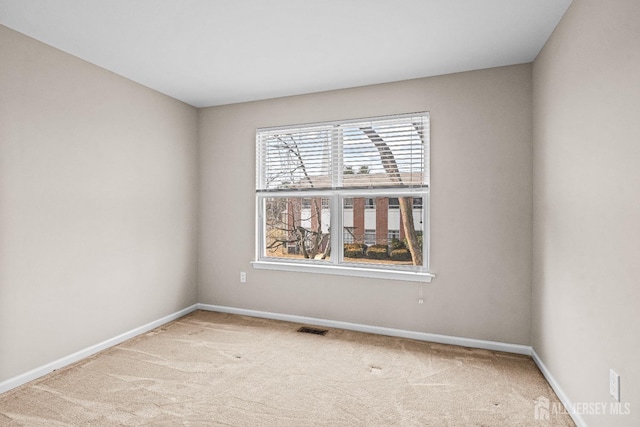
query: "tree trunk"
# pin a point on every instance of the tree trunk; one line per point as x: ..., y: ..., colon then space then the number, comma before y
x: 406, y: 213
x: 302, y: 237
x: 327, y: 251
x: 406, y: 203
x: 317, y: 237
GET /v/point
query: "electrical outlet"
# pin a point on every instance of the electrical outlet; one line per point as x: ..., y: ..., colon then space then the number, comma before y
x: 614, y: 385
x: 420, y: 301
x: 243, y: 277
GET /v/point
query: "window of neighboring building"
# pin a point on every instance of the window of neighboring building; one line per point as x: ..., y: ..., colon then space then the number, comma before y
x: 348, y: 236
x: 346, y: 197
x: 369, y: 237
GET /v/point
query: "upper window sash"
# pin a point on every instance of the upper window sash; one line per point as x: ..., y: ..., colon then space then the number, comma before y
x: 382, y: 152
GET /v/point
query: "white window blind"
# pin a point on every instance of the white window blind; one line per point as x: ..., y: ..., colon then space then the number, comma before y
x: 373, y: 153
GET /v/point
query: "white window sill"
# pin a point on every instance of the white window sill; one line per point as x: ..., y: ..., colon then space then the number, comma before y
x: 345, y: 270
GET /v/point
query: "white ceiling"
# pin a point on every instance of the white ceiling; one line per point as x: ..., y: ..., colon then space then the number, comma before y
x: 213, y: 52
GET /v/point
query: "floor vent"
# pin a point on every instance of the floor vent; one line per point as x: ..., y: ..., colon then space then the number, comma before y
x: 314, y: 331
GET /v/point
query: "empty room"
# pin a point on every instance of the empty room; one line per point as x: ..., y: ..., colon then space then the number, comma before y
x: 302, y: 213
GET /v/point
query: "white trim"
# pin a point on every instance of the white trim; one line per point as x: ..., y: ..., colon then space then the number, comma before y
x: 420, y: 336
x: 564, y: 399
x: 81, y: 354
x: 344, y: 270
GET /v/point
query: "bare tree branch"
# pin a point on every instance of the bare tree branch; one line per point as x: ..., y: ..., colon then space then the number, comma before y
x: 296, y: 153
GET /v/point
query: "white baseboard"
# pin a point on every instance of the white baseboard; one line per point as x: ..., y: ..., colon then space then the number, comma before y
x: 568, y: 404
x: 420, y: 336
x: 79, y: 355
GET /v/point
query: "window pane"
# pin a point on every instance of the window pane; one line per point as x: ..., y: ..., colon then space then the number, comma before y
x: 385, y: 152
x: 294, y: 158
x: 375, y: 230
x: 378, y: 152
x: 297, y: 227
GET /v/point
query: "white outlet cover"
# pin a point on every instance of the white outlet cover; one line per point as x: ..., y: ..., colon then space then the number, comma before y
x: 614, y: 385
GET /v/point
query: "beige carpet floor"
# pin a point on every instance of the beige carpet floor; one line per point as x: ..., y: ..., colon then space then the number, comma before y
x: 220, y: 369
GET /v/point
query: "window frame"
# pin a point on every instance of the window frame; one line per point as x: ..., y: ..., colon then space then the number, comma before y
x: 336, y: 263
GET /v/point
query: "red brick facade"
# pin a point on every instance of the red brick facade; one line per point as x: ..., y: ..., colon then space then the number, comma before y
x: 382, y: 221
x: 358, y: 219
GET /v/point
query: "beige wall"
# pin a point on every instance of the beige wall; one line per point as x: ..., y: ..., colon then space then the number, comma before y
x: 586, y: 299
x: 98, y: 200
x: 481, y: 213
x: 99, y: 189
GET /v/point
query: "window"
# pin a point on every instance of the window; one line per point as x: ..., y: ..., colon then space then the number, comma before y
x: 347, y: 235
x: 345, y: 197
x: 369, y: 203
x: 369, y: 238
